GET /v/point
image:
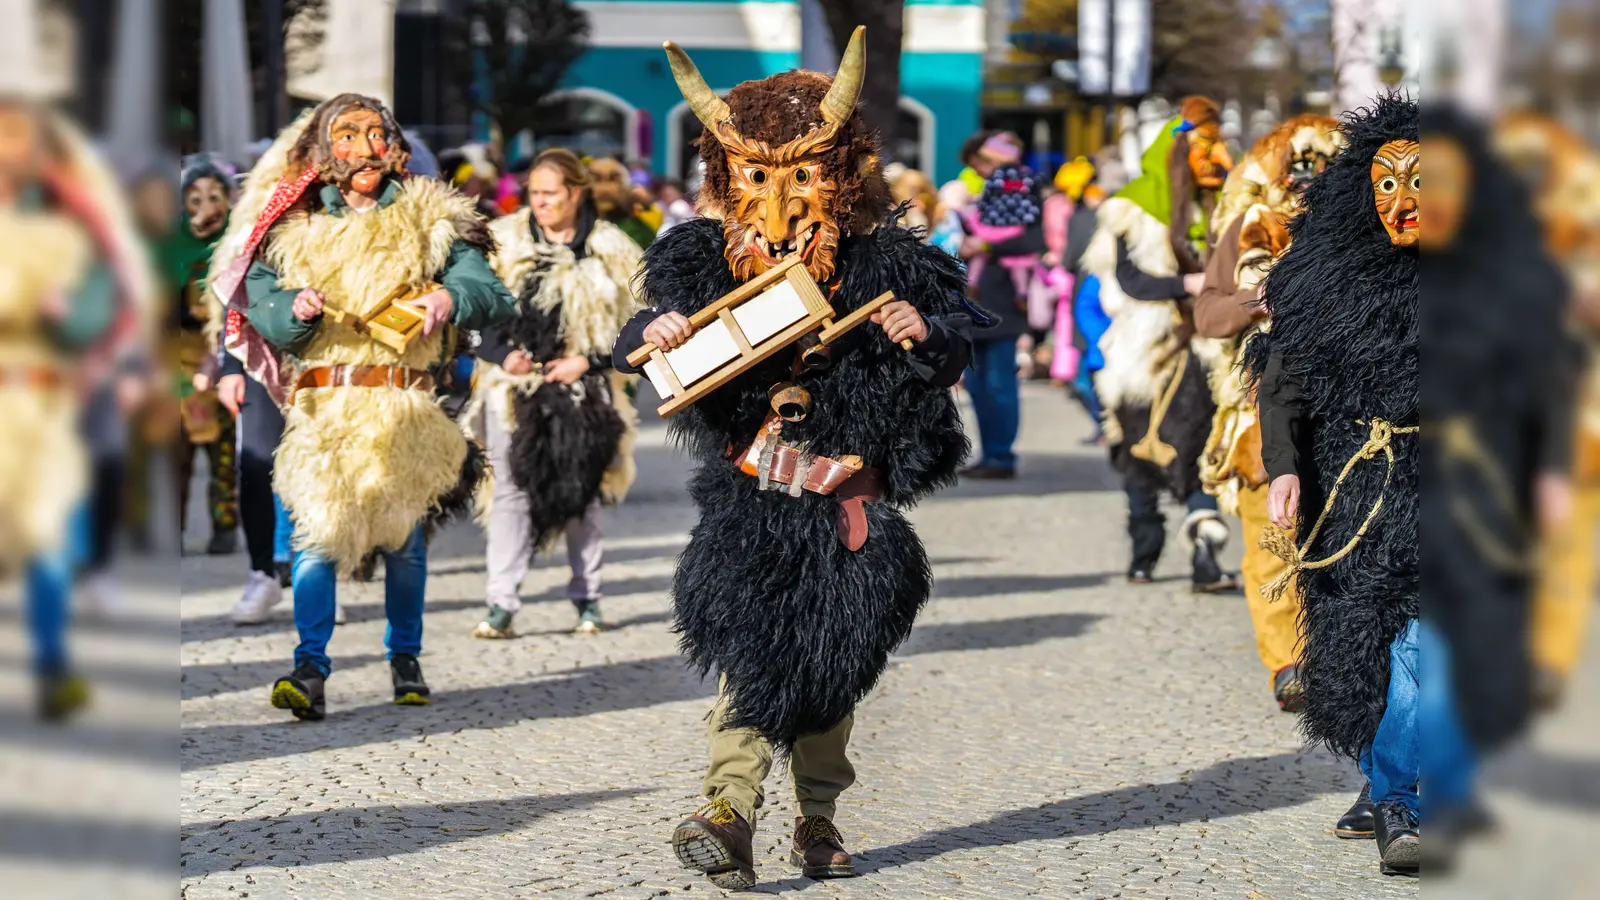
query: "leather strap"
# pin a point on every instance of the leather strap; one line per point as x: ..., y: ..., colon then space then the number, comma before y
x: 36, y: 377
x: 848, y: 480
x: 364, y: 376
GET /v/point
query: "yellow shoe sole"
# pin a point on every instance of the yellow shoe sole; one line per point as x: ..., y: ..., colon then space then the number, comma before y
x: 286, y: 696
x: 411, y: 698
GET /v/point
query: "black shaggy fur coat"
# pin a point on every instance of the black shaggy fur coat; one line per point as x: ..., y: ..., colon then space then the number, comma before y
x: 1502, y: 371
x: 1343, y: 300
x: 567, y: 434
x: 765, y: 593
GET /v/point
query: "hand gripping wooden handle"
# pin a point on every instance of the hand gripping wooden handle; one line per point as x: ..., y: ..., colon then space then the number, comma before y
x: 832, y: 332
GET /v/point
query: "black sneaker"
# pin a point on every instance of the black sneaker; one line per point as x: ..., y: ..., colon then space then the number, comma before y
x: 285, y: 574
x: 301, y: 693
x: 1399, y: 845
x: 61, y: 693
x: 1208, y: 577
x: 409, y: 688
x: 223, y: 543
x: 1140, y: 575
x: 1288, y: 691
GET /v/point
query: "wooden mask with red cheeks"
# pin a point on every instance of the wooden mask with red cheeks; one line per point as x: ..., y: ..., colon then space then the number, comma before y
x: 1397, y: 189
x: 1209, y: 159
x: 205, y: 205
x: 780, y: 197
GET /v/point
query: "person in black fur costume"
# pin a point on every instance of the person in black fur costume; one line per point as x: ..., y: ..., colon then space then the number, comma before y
x: 1499, y: 391
x: 797, y: 597
x: 558, y: 426
x: 1337, y: 379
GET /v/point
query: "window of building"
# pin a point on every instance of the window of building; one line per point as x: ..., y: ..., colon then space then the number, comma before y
x: 586, y: 124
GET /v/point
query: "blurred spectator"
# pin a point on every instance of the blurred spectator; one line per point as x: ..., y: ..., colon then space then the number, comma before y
x: 675, y: 206
x: 616, y: 202
x: 993, y: 382
x: 925, y: 211
x: 1089, y: 320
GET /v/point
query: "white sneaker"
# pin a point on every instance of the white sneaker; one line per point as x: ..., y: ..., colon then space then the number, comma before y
x: 100, y: 597
x: 338, y: 613
x: 261, y: 593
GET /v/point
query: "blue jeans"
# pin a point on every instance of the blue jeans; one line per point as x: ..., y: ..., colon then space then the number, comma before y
x: 992, y: 384
x: 1449, y: 762
x: 1083, y: 388
x: 1392, y: 763
x: 49, y: 579
x: 282, y: 531
x: 405, y: 576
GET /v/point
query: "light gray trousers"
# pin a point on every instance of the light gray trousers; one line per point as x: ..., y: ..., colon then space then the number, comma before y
x: 509, y: 535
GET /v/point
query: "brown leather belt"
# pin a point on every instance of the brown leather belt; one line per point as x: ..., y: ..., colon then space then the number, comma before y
x: 853, y: 485
x: 36, y: 377
x: 365, y: 376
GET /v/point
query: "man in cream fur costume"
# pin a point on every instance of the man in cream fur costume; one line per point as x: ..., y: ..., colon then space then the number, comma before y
x: 75, y: 291
x: 330, y: 222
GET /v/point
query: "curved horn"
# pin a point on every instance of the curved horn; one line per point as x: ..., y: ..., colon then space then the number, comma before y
x: 846, y: 89
x: 707, y: 106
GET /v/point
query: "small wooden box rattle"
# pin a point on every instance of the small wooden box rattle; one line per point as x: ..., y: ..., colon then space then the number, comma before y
x: 743, y: 327
x: 393, y: 325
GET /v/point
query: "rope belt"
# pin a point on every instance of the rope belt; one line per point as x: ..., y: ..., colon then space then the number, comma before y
x: 1278, y: 541
x: 1151, y: 447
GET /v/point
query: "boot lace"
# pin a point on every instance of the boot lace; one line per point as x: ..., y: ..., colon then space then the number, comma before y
x: 818, y: 830
x: 717, y: 812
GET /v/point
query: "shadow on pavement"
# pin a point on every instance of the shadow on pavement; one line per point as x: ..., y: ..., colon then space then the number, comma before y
x: 582, y: 691
x: 368, y: 832
x: 1045, y: 473
x: 41, y: 838
x: 990, y: 585
x: 1546, y: 777
x: 211, y: 679
x: 89, y: 739
x: 1229, y: 788
x: 994, y: 633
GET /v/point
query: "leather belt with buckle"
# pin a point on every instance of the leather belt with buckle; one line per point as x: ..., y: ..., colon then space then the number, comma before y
x: 364, y: 376
x: 779, y: 464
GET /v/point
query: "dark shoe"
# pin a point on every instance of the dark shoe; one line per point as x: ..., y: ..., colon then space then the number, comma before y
x: 1448, y: 828
x: 285, y: 574
x: 409, y: 688
x: 589, y: 618
x: 300, y: 692
x: 1548, y: 688
x: 1399, y: 845
x: 1288, y: 691
x: 1356, y: 823
x: 61, y: 693
x: 1140, y: 575
x: 223, y: 543
x: 988, y: 473
x: 496, y: 625
x: 819, y: 849
x: 1208, y: 577
x: 364, y: 569
x: 716, y: 841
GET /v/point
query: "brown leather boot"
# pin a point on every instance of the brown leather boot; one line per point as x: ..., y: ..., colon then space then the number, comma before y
x: 819, y: 849
x: 716, y: 840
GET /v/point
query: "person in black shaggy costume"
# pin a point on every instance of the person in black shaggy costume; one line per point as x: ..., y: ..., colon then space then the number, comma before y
x: 1499, y: 390
x: 1337, y: 380
x: 557, y: 424
x: 796, y: 594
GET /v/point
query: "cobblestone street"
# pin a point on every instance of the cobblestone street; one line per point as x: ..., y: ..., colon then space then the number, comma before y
x: 1048, y: 730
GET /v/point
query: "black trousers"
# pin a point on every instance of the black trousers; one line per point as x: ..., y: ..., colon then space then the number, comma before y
x: 1147, y: 526
x: 260, y: 428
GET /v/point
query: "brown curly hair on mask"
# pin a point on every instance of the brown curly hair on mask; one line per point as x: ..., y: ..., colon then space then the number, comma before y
x: 314, y: 148
x: 786, y: 106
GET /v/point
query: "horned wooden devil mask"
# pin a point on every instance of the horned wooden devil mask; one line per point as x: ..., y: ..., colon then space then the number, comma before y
x: 790, y: 165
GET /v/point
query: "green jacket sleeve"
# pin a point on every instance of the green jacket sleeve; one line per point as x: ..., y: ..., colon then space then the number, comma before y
x: 272, y: 310
x: 479, y: 299
x: 90, y: 309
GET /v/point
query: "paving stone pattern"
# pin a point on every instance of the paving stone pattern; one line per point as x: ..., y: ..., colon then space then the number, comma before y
x: 1047, y: 731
